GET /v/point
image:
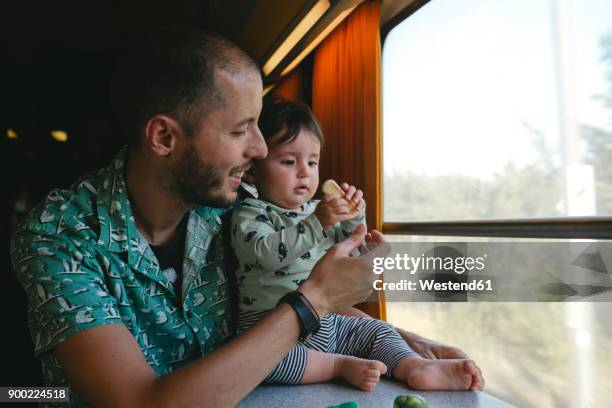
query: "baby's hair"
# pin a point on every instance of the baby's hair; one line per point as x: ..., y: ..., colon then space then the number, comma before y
x: 278, y: 114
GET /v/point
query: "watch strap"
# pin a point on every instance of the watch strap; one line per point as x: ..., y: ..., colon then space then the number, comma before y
x: 308, y: 317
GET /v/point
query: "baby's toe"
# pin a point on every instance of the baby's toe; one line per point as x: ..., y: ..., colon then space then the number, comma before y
x: 378, y: 366
x: 469, y: 366
x: 372, y: 374
x: 368, y: 385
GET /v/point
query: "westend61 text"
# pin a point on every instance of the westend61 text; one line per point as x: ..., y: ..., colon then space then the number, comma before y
x: 427, y: 285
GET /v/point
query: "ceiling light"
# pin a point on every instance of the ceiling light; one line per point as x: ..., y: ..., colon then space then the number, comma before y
x: 11, y: 134
x: 309, y: 20
x: 59, y: 136
x: 317, y: 40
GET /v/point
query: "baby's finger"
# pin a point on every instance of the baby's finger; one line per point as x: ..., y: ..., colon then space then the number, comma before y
x: 337, y: 202
x: 341, y: 209
x: 330, y: 197
x: 361, y: 205
x: 358, y: 196
x: 376, y: 249
x: 340, y: 201
x: 350, y: 193
x: 376, y: 236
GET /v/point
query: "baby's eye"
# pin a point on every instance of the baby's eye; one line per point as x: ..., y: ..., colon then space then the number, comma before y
x: 288, y: 162
x: 313, y: 164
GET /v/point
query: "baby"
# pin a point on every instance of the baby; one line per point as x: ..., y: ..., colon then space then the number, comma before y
x: 279, y: 237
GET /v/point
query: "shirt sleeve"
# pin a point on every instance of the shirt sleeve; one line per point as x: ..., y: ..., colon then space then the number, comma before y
x: 256, y: 241
x: 64, y: 286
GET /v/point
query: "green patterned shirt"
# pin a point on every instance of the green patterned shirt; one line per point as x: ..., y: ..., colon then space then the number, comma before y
x: 83, y: 263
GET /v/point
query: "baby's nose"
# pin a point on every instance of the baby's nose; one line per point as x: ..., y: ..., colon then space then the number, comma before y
x: 303, y: 171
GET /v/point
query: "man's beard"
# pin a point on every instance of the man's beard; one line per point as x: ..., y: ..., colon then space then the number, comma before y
x: 194, y: 182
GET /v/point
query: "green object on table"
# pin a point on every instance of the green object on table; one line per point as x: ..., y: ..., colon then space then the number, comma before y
x: 348, y: 404
x: 410, y: 401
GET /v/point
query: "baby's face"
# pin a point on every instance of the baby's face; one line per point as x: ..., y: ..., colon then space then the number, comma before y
x: 289, y: 175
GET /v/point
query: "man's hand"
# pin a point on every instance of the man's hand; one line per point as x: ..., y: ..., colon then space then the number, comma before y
x: 334, y: 208
x: 433, y: 350
x: 339, y: 280
x: 429, y: 348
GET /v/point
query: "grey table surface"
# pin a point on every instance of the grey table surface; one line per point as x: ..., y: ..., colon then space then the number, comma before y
x: 326, y: 394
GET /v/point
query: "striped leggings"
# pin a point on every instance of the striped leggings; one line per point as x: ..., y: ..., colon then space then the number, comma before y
x: 348, y: 335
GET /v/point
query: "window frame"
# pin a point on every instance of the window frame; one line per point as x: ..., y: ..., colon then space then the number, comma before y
x: 568, y: 227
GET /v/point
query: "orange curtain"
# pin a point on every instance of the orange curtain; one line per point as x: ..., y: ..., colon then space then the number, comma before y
x: 346, y: 98
x: 290, y: 87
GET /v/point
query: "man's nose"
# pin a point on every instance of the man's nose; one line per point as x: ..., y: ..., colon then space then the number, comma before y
x: 257, y: 148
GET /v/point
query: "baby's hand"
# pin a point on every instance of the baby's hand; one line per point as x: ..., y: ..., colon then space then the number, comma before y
x: 354, y: 195
x: 334, y: 208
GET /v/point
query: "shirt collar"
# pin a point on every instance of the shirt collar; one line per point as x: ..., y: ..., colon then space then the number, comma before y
x: 305, y: 209
x: 118, y: 232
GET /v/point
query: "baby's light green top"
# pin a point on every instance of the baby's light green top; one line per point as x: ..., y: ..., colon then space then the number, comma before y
x: 277, y: 248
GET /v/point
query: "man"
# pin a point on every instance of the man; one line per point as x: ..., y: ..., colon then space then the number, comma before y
x: 128, y: 300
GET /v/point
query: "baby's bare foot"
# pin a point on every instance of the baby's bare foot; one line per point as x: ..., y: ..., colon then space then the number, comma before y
x: 361, y: 373
x: 478, y: 380
x: 423, y: 374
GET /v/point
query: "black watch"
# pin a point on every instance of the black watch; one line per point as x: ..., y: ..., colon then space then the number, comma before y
x: 309, y: 320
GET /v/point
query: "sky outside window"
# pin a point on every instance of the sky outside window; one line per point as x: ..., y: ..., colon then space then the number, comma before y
x: 472, y: 87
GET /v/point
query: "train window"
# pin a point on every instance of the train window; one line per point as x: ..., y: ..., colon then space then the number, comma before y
x: 531, y: 354
x: 498, y: 110
x: 503, y: 110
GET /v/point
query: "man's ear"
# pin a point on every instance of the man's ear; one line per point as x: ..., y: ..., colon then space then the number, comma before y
x: 161, y: 132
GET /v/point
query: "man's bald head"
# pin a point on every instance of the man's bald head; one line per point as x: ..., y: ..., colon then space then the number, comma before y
x: 172, y: 71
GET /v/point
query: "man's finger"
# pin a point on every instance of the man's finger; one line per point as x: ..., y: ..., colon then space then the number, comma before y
x: 377, y: 248
x: 351, y: 243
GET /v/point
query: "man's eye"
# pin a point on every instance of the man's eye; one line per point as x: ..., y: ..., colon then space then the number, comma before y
x: 239, y: 132
x: 288, y: 162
